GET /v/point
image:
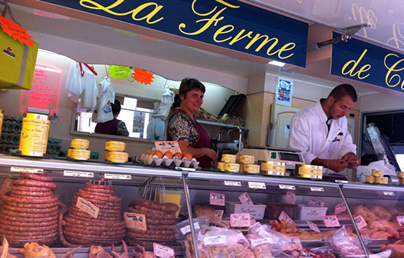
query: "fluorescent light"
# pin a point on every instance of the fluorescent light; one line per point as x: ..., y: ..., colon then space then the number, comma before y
x: 276, y: 63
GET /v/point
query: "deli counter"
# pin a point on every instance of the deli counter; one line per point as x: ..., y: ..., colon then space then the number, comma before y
x: 233, y: 214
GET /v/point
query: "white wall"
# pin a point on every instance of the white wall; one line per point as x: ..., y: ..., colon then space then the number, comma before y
x: 381, y: 102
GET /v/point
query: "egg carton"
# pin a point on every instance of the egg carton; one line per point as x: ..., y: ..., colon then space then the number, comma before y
x: 166, y: 162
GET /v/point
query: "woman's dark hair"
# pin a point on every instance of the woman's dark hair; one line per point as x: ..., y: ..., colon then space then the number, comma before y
x: 188, y: 84
x: 343, y: 90
x: 116, y: 107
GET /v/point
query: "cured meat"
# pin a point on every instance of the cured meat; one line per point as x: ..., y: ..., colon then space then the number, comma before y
x: 30, y: 210
x: 36, y: 177
x: 87, y: 242
x: 27, y: 224
x: 19, y: 228
x: 30, y: 188
x: 32, y: 205
x: 152, y: 213
x: 28, y: 215
x: 29, y: 182
x: 27, y: 219
x: 146, y: 235
x: 165, y: 207
x: 29, y: 200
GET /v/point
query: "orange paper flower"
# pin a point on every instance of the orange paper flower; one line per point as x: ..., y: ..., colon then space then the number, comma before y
x: 15, y: 31
x: 143, y: 76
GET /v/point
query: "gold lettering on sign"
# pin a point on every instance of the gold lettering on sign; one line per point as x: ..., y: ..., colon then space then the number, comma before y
x: 396, y: 40
x: 392, y: 70
x: 136, y: 16
x: 362, y: 15
x: 223, y: 33
x: 351, y: 72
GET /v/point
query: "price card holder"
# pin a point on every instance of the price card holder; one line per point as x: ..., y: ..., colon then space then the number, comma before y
x: 163, y: 251
x: 171, y: 146
x: 4, y: 249
x: 217, y: 199
x: 284, y: 216
x: 340, y: 208
x: 287, y: 187
x: 26, y: 170
x: 78, y: 174
x: 240, y: 220
x: 317, y: 189
x: 117, y: 176
x: 313, y: 226
x: 245, y: 199
x: 87, y: 207
x: 135, y: 221
x: 313, y: 202
x: 232, y: 183
x: 360, y: 222
x: 290, y: 197
x: 400, y: 220
x: 331, y: 221
x: 257, y: 185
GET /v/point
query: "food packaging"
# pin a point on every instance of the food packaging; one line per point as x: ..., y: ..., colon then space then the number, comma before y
x: 34, y: 134
x: 377, y: 172
x: 117, y: 156
x: 79, y: 143
x: 250, y: 168
x: 232, y: 167
x: 115, y: 146
x: 229, y: 158
x: 246, y: 159
x: 78, y: 154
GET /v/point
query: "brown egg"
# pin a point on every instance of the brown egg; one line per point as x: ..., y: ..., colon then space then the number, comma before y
x: 178, y: 155
x: 149, y: 152
x: 168, y: 154
x: 188, y: 156
x: 158, y: 153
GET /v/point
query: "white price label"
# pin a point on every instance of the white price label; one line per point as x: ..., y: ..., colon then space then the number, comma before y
x: 78, y: 174
x: 257, y: 185
x: 215, y: 240
x: 187, y: 229
x: 360, y: 222
x: 400, y: 220
x: 287, y: 187
x: 117, y: 176
x: 313, y: 226
x: 87, y: 207
x: 284, y: 216
x: 162, y: 251
x: 26, y: 170
x: 317, y: 189
x: 135, y: 221
x: 245, y: 199
x: 388, y: 193
x: 232, y: 183
x: 290, y: 197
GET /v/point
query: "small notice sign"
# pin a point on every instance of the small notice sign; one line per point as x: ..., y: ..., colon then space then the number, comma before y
x: 290, y: 197
x: 313, y: 202
x: 171, y: 146
x: 295, y: 244
x: 340, y: 208
x: 218, y: 216
x: 185, y: 230
x: 257, y: 185
x: 215, y: 240
x: 117, y: 176
x: 162, y: 251
x: 87, y: 207
x: 331, y: 221
x: 232, y: 183
x: 78, y: 174
x: 245, y: 199
x: 217, y: 199
x: 313, y: 226
x: 400, y: 220
x: 27, y: 170
x: 360, y: 222
x: 240, y: 220
x: 287, y: 187
x: 135, y: 221
x: 284, y: 216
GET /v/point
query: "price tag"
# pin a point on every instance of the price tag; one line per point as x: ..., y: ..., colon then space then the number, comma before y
x: 162, y: 251
x: 331, y: 221
x: 78, y: 174
x: 6, y: 186
x: 218, y: 216
x: 284, y: 216
x: 87, y: 207
x: 135, y: 221
x: 360, y: 222
x: 117, y: 176
x: 217, y: 199
x: 340, y: 208
x: 26, y: 170
x: 290, y: 197
x: 388, y: 193
x: 317, y: 189
x: 257, y: 185
x: 313, y: 226
x: 400, y: 220
x: 295, y: 244
x: 215, y: 240
x: 313, y: 202
x: 187, y: 229
x: 232, y: 183
x: 4, y: 249
x: 245, y: 199
x: 171, y: 146
x: 240, y: 220
x: 287, y: 187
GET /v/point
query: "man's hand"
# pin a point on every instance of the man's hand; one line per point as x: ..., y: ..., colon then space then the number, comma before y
x: 337, y: 164
x: 352, y: 160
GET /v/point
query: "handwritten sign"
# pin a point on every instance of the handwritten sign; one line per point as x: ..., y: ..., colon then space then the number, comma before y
x: 135, y: 221
x: 217, y: 199
x: 162, y: 251
x: 290, y: 197
x: 340, y: 208
x: 87, y: 207
x: 360, y: 222
x: 218, y: 216
x: 313, y: 226
x: 284, y: 216
x: 240, y: 220
x: 15, y: 31
x: 331, y: 221
x: 313, y: 202
x: 400, y: 220
x: 245, y: 199
x: 4, y: 249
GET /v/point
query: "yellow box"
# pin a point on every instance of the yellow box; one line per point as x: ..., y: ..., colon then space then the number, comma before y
x: 78, y: 154
x: 115, y: 146
x: 377, y: 172
x: 116, y: 156
x: 232, y: 167
x: 171, y: 196
x: 79, y: 143
x: 250, y: 168
x: 246, y: 159
x: 229, y: 158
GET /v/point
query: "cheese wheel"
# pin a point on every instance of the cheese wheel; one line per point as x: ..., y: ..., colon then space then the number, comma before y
x: 116, y: 156
x: 229, y: 158
x: 250, y: 168
x: 78, y: 154
x: 115, y: 146
x: 232, y: 167
x: 79, y: 143
x: 246, y: 159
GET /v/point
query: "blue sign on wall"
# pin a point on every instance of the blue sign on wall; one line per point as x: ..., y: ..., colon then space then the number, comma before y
x: 226, y: 23
x: 368, y: 63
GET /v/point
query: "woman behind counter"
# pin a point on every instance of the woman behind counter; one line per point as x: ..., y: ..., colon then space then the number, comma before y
x: 183, y: 127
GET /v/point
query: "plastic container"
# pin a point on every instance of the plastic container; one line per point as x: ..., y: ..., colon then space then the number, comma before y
x: 311, y: 213
x: 275, y: 209
x: 256, y: 210
x: 171, y: 196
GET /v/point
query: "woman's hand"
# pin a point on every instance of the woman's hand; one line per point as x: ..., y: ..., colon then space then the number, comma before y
x: 199, y: 152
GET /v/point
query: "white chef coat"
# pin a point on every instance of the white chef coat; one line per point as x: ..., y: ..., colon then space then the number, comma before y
x: 309, y: 134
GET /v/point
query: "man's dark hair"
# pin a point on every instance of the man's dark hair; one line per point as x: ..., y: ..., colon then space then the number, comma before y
x: 188, y: 84
x: 116, y: 107
x: 343, y: 90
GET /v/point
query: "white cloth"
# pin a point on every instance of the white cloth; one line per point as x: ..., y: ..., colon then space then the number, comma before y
x: 309, y: 134
x: 106, y: 96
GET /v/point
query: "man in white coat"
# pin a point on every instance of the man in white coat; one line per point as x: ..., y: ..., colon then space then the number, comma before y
x: 320, y: 131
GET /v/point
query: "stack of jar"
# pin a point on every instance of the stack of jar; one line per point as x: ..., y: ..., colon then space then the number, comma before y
x: 79, y: 149
x: 377, y: 177
x: 272, y: 168
x: 228, y: 163
x: 115, y: 152
x: 243, y: 163
x: 400, y: 175
x: 309, y: 171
